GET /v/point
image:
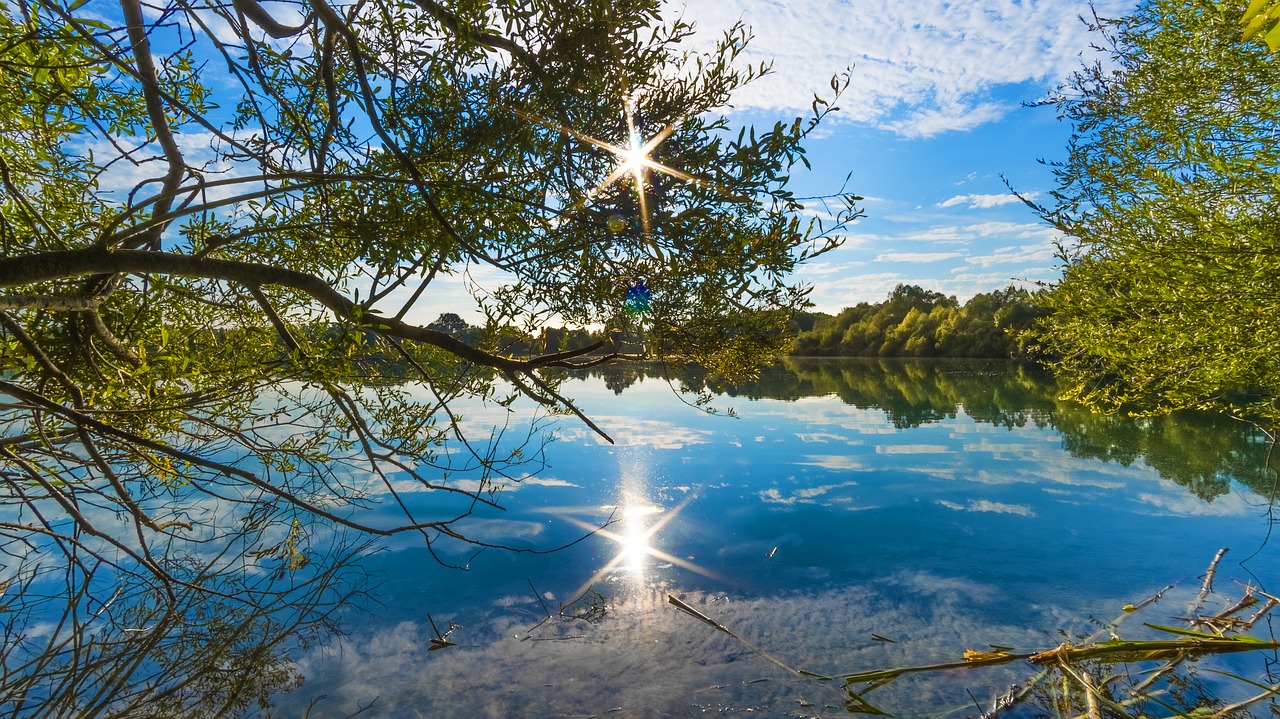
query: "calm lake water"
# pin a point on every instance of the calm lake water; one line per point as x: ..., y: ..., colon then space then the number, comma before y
x: 943, y: 506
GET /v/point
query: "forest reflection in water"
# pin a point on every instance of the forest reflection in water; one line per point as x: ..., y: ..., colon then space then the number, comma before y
x: 942, y: 505
x: 1202, y: 451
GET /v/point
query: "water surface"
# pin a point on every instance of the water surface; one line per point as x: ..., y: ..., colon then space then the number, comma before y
x: 943, y: 506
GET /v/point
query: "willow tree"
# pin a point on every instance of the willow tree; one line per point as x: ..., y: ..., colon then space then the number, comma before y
x: 223, y: 226
x: 1169, y: 203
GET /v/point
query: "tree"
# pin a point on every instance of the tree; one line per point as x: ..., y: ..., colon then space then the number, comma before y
x: 1168, y: 199
x: 450, y: 323
x: 989, y: 325
x: 208, y: 308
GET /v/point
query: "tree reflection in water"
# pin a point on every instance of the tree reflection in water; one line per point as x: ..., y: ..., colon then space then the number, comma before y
x: 84, y: 636
x: 1201, y: 451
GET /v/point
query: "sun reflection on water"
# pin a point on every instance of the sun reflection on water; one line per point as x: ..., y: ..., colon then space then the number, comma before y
x: 636, y: 528
x: 633, y: 540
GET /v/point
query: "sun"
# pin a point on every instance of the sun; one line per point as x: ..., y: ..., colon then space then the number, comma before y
x: 633, y: 540
x: 635, y: 160
x: 634, y: 157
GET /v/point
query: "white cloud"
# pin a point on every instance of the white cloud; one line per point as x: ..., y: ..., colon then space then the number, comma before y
x: 917, y: 256
x: 838, y: 294
x: 638, y: 432
x: 1040, y: 253
x: 820, y: 269
x: 833, y: 462
x: 646, y: 657
x: 931, y: 121
x: 919, y: 69
x: 1012, y: 229
x: 455, y: 291
x: 474, y: 486
x: 546, y: 482
x: 944, y: 234
x: 773, y: 495
x: 824, y: 215
x: 983, y: 202
x: 1012, y: 449
x: 985, y: 505
x: 200, y: 150
x: 1176, y: 501
x: 968, y: 259
x: 820, y: 437
x: 964, y: 285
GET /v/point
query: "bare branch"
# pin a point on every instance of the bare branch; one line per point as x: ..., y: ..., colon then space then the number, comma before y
x: 155, y: 102
x: 50, y: 302
x: 260, y: 17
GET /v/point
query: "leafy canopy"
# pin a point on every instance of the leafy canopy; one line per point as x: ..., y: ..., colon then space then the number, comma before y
x: 1169, y: 201
x: 915, y: 322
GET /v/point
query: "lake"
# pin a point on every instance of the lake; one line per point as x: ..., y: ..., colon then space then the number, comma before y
x: 851, y: 515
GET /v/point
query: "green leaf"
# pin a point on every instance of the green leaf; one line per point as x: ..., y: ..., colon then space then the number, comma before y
x: 1272, y: 38
x: 1205, y: 635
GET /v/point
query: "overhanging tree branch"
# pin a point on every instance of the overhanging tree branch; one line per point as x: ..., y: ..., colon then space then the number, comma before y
x: 71, y: 264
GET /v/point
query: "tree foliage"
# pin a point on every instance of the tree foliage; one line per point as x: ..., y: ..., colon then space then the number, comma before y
x: 219, y: 222
x: 1168, y: 198
x: 915, y: 322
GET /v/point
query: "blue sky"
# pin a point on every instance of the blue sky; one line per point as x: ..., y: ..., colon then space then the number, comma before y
x: 932, y: 120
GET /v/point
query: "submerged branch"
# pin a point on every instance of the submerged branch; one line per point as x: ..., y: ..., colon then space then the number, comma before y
x: 1207, y: 587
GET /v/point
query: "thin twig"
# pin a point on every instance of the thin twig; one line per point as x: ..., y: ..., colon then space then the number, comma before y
x: 539, y: 597
x: 1262, y: 611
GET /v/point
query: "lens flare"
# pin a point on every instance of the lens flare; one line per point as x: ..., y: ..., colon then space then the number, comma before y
x: 635, y: 160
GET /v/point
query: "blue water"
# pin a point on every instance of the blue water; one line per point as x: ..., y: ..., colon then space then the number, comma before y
x: 941, y: 506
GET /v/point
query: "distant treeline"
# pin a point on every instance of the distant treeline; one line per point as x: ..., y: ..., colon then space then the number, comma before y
x: 912, y: 322
x: 915, y: 322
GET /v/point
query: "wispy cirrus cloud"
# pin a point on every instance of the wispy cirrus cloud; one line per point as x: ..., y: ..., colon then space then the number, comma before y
x: 647, y: 657
x: 913, y: 449
x: 838, y: 462
x: 1040, y: 253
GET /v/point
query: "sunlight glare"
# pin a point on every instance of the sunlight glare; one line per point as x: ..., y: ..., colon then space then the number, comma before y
x: 634, y: 539
x: 634, y: 161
